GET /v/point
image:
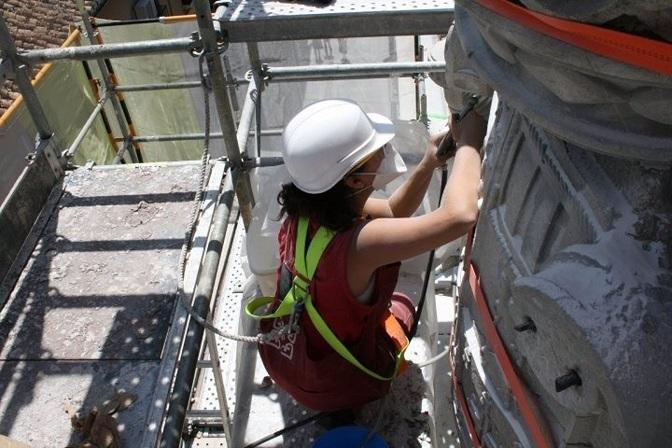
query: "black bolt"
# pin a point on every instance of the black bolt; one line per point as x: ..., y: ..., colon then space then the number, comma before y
x: 566, y: 381
x: 527, y: 325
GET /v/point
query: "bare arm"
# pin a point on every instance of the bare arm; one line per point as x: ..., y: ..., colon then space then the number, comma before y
x: 407, y: 198
x: 387, y: 240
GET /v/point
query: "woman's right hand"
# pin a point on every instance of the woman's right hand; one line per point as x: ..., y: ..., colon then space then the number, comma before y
x: 388, y: 240
x: 470, y: 131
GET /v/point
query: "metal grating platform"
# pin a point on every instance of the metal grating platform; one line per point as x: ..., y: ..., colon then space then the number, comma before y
x: 258, y: 20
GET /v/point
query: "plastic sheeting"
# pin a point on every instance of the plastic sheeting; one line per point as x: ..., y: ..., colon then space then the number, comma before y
x: 160, y: 112
x: 67, y: 100
x: 182, y: 111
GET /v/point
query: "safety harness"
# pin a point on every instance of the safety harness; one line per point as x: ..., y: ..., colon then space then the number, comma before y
x: 299, y: 298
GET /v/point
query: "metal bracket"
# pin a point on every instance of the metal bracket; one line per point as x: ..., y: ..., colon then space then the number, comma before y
x: 263, y: 74
x: 197, y: 45
x: 198, y: 421
x: 220, y: 33
x: 49, y: 148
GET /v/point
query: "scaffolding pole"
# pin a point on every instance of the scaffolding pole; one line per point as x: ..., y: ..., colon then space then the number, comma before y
x: 249, y: 107
x: 314, y: 73
x: 194, y: 136
x: 159, y: 86
x: 420, y: 86
x: 255, y: 61
x: 70, y: 152
x: 260, y: 162
x: 352, y: 71
x: 109, y: 87
x: 96, y: 93
x: 120, y: 155
x: 230, y: 82
x: 161, y: 19
x: 240, y: 180
x: 217, y: 78
x: 120, y: 50
x: 170, y: 85
x: 47, y: 143
x: 205, y: 286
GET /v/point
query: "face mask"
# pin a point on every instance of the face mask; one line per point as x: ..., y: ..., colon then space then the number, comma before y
x: 390, y: 168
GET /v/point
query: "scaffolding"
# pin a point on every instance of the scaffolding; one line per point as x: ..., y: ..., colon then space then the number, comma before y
x: 249, y: 22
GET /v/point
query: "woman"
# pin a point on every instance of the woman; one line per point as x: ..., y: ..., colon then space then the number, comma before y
x: 336, y: 155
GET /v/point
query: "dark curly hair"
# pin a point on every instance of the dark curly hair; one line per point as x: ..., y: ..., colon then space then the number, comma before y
x: 333, y: 209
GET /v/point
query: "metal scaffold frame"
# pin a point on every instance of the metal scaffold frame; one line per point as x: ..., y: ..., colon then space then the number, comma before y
x: 210, y: 42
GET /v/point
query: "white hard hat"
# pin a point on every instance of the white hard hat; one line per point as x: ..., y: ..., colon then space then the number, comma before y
x: 324, y: 141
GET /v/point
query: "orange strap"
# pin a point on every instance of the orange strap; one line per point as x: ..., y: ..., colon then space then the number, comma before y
x: 464, y: 408
x: 457, y: 386
x: 634, y: 50
x: 396, y: 333
x: 467, y: 249
x: 531, y: 414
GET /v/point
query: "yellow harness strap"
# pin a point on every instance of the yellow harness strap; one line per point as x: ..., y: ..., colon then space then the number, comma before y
x: 305, y: 264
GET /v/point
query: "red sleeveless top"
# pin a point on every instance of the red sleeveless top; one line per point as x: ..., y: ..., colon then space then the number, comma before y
x: 303, y: 363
